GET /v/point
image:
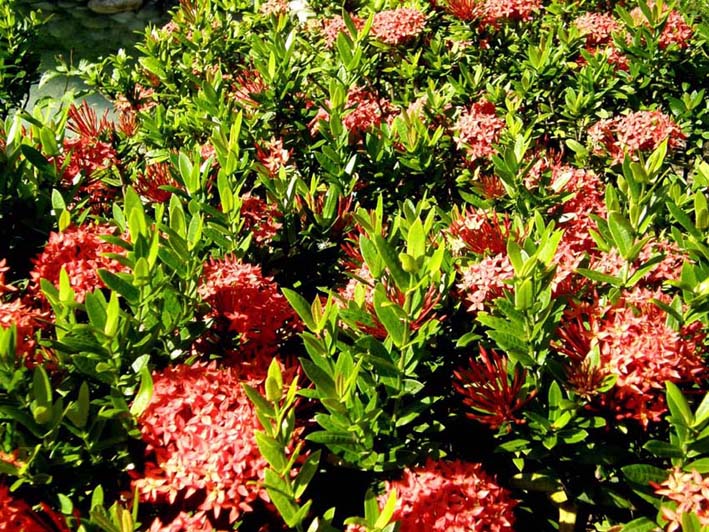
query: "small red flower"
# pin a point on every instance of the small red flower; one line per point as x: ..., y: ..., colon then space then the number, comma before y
x: 149, y: 184
x: 489, y: 392
x: 478, y: 129
x: 245, y: 302
x: 446, y: 496
x: 479, y: 231
x: 332, y: 27
x: 638, y: 131
x: 81, y: 251
x: 397, y: 26
x: 18, y: 516
x: 260, y: 218
x: 597, y: 28
x: 202, y: 454
x: 484, y: 281
x: 690, y: 493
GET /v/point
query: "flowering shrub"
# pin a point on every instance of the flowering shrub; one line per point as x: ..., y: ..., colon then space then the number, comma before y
x: 453, y: 252
x: 201, y: 450
x: 451, y: 496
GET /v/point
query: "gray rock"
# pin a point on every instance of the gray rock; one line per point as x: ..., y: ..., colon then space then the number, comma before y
x: 109, y: 7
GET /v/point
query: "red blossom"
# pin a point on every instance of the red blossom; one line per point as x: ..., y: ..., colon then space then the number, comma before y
x: 80, y: 250
x: 466, y: 10
x: 364, y: 110
x: 332, y: 27
x: 489, y: 392
x: 359, y: 292
x: 272, y: 155
x: 18, y: 516
x: 149, y: 184
x: 260, y: 218
x: 245, y: 302
x: 274, y: 7
x: 479, y: 231
x: 497, y: 11
x: 675, y: 30
x: 87, y: 153
x: 247, y: 85
x: 397, y: 26
x: 478, y: 129
x: 638, y: 131
x: 633, y: 342
x: 202, y: 454
x: 690, y: 493
x: 27, y: 321
x: 484, y: 281
x: 597, y: 28
x: 447, y: 496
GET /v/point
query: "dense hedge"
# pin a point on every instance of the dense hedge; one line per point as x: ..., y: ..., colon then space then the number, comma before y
x: 440, y: 266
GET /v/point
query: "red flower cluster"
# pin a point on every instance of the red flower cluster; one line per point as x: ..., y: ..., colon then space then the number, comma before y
x: 18, y: 516
x: 248, y: 304
x: 199, y: 428
x: 247, y: 84
x: 484, y: 281
x: 364, y: 110
x: 260, y: 218
x: 274, y: 7
x: 493, y: 12
x: 635, y: 344
x: 86, y: 154
x: 80, y: 250
x: 451, y: 496
x: 478, y: 129
x: 488, y: 391
x: 480, y: 232
x: 332, y: 27
x: 27, y: 321
x: 272, y: 155
x: 689, y: 492
x: 597, y: 28
x: 638, y: 131
x: 498, y: 11
x: 397, y: 26
x: 156, y: 176
x: 675, y: 30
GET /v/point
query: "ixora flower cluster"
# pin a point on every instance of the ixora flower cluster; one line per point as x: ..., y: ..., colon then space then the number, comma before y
x: 402, y: 265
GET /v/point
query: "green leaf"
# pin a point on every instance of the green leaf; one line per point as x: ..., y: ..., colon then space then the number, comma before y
x: 389, y: 317
x: 41, y: 387
x: 95, y: 305
x: 331, y: 438
x: 145, y: 393
x: 702, y: 413
x: 622, y: 233
x: 701, y: 465
x: 679, y: 408
x: 391, y: 259
x: 322, y: 381
x: 643, y: 474
x: 113, y: 312
x: 274, y: 382
x: 416, y: 240
x: 306, y: 473
x: 78, y: 412
x: 120, y: 285
x: 259, y: 401
x: 664, y: 449
x: 272, y: 451
x: 387, y: 511
x: 301, y: 306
